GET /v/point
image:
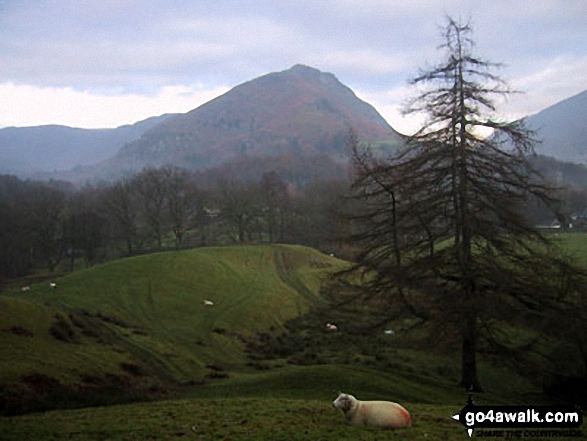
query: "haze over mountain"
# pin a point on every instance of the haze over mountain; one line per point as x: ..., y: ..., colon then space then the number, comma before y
x: 297, y: 111
x: 300, y: 114
x: 27, y: 151
x: 562, y: 128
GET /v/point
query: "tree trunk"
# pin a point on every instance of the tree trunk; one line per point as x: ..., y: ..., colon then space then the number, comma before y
x: 469, y: 378
x: 271, y: 224
x: 241, y: 230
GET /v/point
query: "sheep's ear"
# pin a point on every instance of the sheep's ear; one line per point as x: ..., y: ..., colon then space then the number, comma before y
x: 347, y: 403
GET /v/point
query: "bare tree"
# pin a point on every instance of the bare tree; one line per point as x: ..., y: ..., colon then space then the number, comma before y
x: 43, y: 205
x: 182, y: 203
x: 84, y: 226
x: 151, y: 187
x: 317, y: 210
x: 442, y: 229
x: 276, y: 201
x: 239, y: 206
x: 15, y: 238
x: 120, y: 203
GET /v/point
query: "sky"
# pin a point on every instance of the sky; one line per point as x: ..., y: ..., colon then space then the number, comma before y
x: 106, y: 63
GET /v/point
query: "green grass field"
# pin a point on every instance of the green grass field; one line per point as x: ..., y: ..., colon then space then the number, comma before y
x: 575, y: 244
x: 137, y: 329
x: 228, y: 419
x: 142, y: 321
x: 223, y: 419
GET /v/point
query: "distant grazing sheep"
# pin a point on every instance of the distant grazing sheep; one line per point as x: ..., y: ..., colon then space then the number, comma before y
x: 208, y: 303
x: 52, y: 285
x: 389, y: 332
x: 331, y: 327
x: 383, y: 414
x: 25, y: 288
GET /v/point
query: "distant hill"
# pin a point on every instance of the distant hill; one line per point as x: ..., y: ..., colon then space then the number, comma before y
x: 561, y: 173
x: 28, y: 151
x: 563, y: 129
x: 300, y: 111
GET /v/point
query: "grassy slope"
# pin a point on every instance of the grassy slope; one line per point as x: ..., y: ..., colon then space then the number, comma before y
x: 288, y: 402
x: 27, y: 347
x: 148, y: 313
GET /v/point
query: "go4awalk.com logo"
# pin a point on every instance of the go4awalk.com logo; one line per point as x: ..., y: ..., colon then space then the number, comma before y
x: 512, y: 422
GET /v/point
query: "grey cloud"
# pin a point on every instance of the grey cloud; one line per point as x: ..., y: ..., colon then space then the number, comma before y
x: 373, y: 45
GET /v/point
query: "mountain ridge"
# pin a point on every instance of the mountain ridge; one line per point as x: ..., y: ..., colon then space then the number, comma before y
x: 562, y: 129
x: 299, y: 111
x: 31, y: 151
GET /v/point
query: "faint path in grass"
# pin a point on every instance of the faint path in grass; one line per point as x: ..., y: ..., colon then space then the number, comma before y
x: 147, y: 312
x: 285, y: 269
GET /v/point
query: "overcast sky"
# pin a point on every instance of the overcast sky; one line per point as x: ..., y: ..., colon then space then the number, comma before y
x: 104, y: 63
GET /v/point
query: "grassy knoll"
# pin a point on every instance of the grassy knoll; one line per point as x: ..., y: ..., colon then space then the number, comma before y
x: 137, y: 329
x: 409, y: 381
x: 141, y: 323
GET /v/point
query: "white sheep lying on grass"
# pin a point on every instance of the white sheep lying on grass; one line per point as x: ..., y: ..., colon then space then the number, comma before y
x: 383, y: 414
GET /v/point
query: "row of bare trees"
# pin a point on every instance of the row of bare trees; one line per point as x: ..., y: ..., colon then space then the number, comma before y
x: 146, y: 206
x: 52, y: 225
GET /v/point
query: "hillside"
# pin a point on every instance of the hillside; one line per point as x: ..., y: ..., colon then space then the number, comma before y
x: 300, y: 111
x: 35, y: 151
x: 138, y: 329
x: 562, y: 128
x: 140, y: 324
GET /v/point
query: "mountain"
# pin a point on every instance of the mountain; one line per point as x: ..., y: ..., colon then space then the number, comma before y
x: 300, y: 111
x: 27, y: 151
x: 563, y: 129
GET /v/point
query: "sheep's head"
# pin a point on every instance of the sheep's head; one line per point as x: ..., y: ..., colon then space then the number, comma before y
x: 344, y: 402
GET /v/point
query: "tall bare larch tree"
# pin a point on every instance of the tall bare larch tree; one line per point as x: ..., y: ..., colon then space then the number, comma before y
x: 441, y: 229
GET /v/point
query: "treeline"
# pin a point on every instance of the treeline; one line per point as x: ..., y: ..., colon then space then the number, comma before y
x: 571, y: 181
x: 55, y: 226
x: 49, y: 226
